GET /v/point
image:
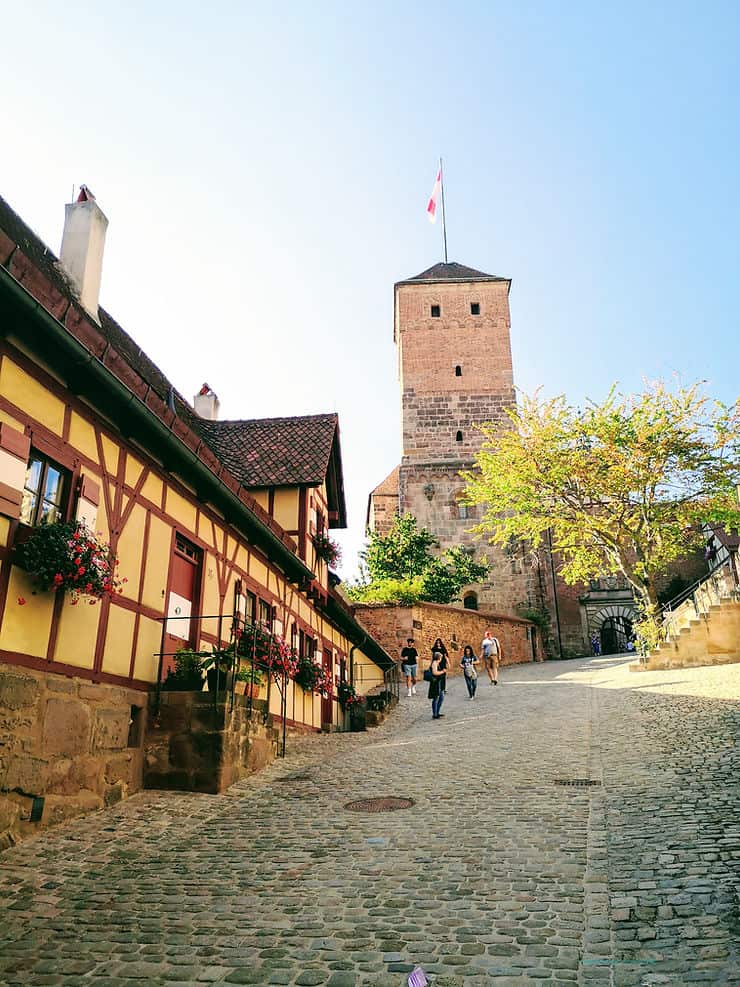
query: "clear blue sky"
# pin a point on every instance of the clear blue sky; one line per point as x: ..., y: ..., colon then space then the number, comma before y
x: 265, y: 173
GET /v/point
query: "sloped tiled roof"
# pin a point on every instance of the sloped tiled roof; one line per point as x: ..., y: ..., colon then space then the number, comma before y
x: 389, y: 486
x: 267, y: 452
x: 44, y: 260
x: 452, y: 272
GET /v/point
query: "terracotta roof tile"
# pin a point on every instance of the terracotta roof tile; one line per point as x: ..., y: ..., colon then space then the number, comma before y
x: 266, y: 452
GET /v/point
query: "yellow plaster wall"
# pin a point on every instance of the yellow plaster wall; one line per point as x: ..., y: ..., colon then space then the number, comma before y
x: 7, y: 419
x: 181, y: 510
x: 148, y: 646
x: 258, y: 570
x: 157, y: 564
x: 110, y: 453
x: 26, y: 626
x: 366, y: 672
x: 82, y: 436
x: 134, y: 470
x: 26, y: 392
x: 129, y: 552
x: 118, y: 641
x: 205, y: 530
x: 210, y: 591
x: 286, y: 508
x: 77, y: 634
x: 262, y: 498
x: 152, y: 489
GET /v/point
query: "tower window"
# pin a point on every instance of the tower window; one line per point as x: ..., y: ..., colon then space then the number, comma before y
x: 436, y: 311
x: 462, y: 511
x: 458, y: 371
x: 475, y: 308
x: 470, y: 601
x: 458, y: 437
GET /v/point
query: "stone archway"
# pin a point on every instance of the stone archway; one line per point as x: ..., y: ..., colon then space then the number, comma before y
x: 613, y: 624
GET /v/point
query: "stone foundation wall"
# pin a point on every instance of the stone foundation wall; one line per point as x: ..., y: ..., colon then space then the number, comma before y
x: 425, y: 622
x: 75, y: 744
x: 195, y: 747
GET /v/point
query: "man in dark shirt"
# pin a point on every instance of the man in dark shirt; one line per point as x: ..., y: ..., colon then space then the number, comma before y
x: 409, y: 657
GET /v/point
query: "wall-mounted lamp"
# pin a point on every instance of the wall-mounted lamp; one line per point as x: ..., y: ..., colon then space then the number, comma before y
x: 428, y: 490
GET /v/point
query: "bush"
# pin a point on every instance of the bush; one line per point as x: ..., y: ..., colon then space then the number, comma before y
x: 187, y: 675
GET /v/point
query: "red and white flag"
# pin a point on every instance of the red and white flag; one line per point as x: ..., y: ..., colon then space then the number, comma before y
x: 432, y: 204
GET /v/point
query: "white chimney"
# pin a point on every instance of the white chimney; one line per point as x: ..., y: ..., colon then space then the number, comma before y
x: 83, y: 241
x: 205, y: 403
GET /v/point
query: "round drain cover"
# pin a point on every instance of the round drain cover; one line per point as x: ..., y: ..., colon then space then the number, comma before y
x: 388, y: 803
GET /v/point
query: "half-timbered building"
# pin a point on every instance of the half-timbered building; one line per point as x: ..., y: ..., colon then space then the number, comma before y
x: 210, y: 520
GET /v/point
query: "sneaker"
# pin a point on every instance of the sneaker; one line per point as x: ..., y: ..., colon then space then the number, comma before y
x: 408, y: 693
x: 492, y: 681
x: 413, y: 690
x: 495, y: 681
x: 440, y: 716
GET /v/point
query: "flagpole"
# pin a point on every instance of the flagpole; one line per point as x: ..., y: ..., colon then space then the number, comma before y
x: 444, y: 224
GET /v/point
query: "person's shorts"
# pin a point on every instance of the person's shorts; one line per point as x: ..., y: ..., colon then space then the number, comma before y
x: 409, y: 670
x: 489, y: 659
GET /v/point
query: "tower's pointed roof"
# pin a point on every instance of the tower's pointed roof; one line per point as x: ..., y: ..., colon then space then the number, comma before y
x: 452, y: 271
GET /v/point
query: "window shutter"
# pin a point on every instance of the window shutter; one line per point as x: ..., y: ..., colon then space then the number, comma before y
x: 15, y: 448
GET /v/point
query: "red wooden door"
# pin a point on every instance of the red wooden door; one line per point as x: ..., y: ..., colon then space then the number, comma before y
x: 183, y: 588
x: 327, y: 704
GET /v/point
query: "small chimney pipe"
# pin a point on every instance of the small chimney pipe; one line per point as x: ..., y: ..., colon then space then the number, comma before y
x: 205, y: 403
x: 83, y: 242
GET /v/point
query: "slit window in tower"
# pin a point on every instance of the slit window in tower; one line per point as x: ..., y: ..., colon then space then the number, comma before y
x: 436, y: 311
x: 458, y: 437
x: 475, y: 308
x: 458, y: 371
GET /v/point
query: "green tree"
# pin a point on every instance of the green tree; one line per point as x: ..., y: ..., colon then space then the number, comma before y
x: 624, y: 486
x: 400, y: 568
x: 405, y: 552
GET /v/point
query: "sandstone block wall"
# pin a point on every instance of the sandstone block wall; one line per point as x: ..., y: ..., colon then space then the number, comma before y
x: 194, y: 746
x: 74, y: 743
x: 425, y: 622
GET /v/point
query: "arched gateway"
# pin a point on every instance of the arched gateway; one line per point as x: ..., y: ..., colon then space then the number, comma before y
x: 613, y: 624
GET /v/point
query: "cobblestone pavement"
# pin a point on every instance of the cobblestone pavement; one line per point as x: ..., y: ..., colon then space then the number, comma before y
x: 497, y: 875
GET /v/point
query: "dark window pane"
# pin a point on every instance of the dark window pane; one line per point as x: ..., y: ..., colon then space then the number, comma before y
x: 46, y: 487
x: 33, y: 475
x: 28, y: 506
x: 475, y: 308
x: 53, y: 491
x: 436, y: 311
x: 49, y: 512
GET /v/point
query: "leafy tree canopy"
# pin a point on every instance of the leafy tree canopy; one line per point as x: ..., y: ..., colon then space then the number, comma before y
x: 623, y: 486
x: 400, y: 568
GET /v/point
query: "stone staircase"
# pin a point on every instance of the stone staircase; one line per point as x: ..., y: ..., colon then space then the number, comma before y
x: 704, y: 629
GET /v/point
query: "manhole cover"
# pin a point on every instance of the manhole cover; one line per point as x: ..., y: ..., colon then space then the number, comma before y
x: 577, y: 782
x: 387, y: 804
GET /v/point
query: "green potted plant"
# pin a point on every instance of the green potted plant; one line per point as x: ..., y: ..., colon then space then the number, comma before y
x: 218, y: 668
x: 248, y: 681
x: 187, y: 675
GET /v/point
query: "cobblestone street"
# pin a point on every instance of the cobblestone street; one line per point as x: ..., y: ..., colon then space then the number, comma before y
x: 497, y: 874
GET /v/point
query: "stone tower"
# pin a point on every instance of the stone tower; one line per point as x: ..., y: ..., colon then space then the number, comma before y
x: 451, y: 328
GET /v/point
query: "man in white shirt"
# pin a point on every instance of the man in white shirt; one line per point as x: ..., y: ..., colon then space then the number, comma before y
x: 491, y: 651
